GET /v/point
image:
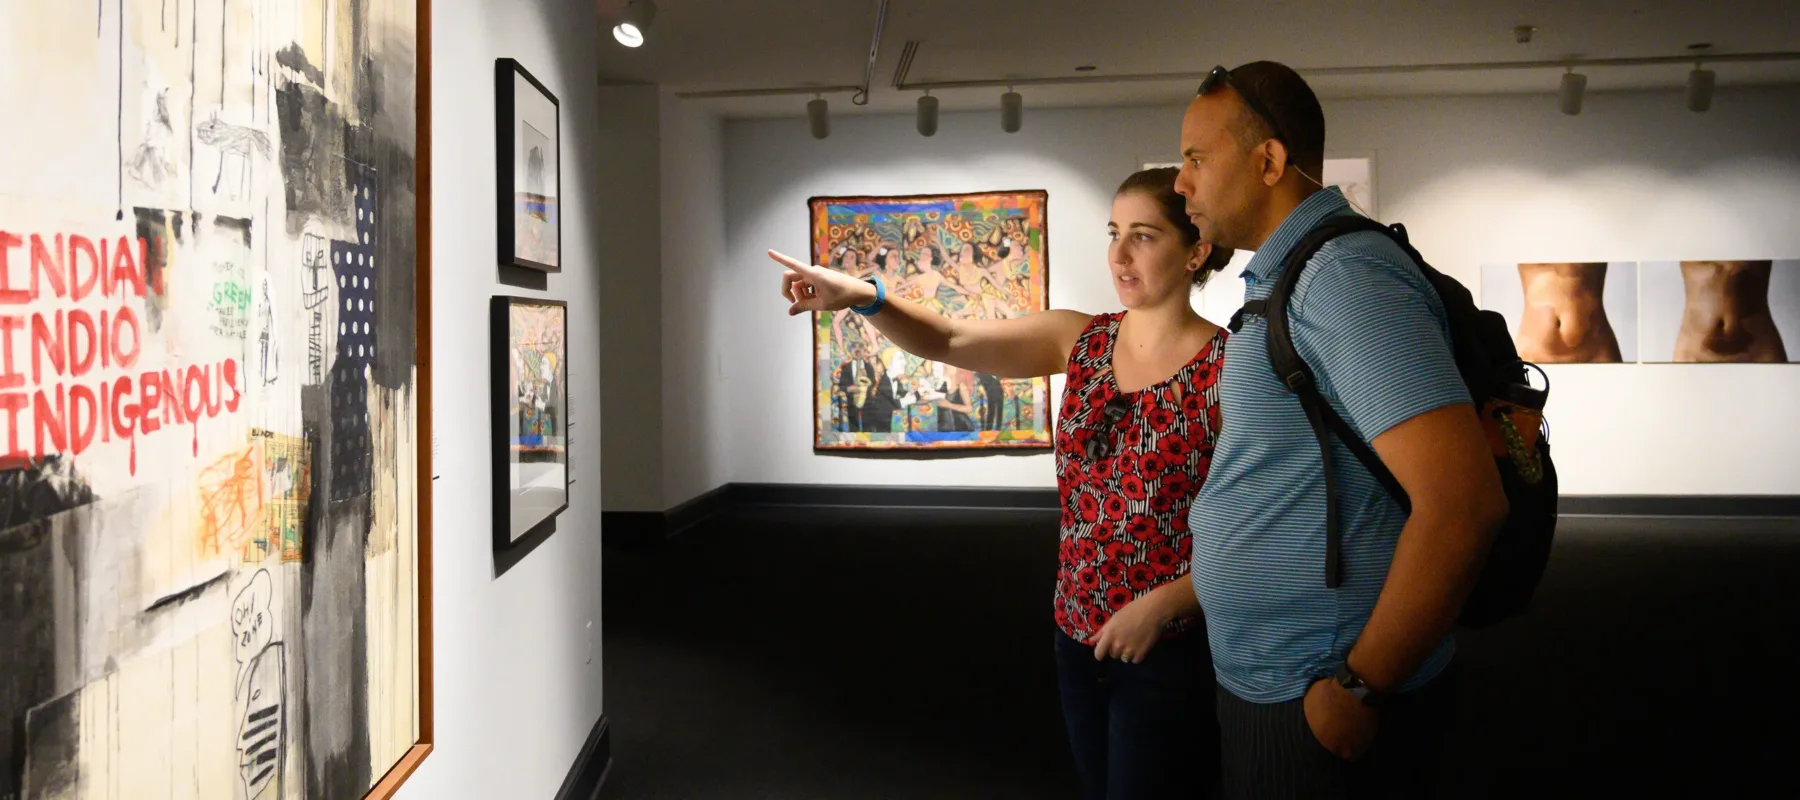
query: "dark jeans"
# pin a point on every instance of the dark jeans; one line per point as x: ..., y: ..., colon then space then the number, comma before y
x: 1270, y: 752
x: 1142, y: 731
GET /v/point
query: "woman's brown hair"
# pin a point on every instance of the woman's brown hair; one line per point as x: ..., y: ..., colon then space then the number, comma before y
x: 1159, y: 185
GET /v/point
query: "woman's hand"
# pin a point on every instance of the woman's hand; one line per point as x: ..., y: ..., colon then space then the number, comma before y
x: 1133, y: 631
x: 812, y: 288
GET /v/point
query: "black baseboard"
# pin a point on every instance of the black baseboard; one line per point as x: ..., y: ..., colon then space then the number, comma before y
x: 819, y: 495
x: 591, y: 766
x: 649, y: 527
x: 1770, y: 505
x: 637, y: 528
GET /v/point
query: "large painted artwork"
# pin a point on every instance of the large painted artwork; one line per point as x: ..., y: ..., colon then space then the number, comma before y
x: 1570, y: 312
x: 531, y: 415
x: 1721, y: 311
x: 969, y: 256
x: 209, y: 398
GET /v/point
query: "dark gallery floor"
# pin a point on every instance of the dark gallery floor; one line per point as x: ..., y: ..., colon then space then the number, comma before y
x: 847, y: 653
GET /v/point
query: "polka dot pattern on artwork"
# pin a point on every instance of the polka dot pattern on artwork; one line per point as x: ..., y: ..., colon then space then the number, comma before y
x: 354, y: 261
x: 356, y: 283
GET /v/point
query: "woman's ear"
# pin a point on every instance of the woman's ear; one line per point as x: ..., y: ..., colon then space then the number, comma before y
x: 1198, y: 256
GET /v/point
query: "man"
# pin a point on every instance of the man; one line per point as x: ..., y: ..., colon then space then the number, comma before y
x: 868, y: 393
x: 1296, y: 659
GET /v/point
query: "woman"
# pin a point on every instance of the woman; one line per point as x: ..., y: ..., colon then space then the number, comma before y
x: 1134, y: 440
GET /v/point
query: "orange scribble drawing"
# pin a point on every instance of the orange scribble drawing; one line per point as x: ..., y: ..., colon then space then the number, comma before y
x: 231, y: 501
x: 253, y: 501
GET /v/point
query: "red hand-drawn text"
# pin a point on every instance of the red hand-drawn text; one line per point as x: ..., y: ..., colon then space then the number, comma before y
x: 45, y: 407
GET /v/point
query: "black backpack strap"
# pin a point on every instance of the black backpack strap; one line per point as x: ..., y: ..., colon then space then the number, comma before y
x: 1252, y: 308
x: 1294, y: 373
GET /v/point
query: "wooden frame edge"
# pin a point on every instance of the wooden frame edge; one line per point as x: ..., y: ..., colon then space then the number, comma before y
x: 391, y: 782
x: 397, y: 775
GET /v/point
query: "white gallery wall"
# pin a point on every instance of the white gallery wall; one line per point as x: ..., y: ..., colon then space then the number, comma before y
x: 518, y: 682
x: 1490, y: 179
x: 630, y: 216
x: 696, y: 416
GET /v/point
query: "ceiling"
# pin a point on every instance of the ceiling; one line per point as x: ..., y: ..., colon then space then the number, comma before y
x: 708, y: 45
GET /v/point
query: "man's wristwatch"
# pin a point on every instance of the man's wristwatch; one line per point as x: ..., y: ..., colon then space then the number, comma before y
x: 1357, y: 689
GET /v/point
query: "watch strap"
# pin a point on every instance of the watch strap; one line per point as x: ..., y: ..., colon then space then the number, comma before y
x: 1353, y: 684
x: 879, y: 301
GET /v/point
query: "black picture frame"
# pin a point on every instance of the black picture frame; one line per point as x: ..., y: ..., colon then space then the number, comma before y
x: 508, y: 119
x: 508, y: 533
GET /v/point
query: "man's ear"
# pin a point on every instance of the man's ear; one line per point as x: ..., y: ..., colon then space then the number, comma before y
x: 1275, y: 167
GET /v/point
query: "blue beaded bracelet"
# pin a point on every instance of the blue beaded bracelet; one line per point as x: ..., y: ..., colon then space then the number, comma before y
x: 880, y: 298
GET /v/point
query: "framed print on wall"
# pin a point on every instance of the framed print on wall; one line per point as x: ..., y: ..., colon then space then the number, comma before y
x: 1567, y: 312
x: 530, y: 414
x: 529, y: 139
x: 967, y: 256
x: 1720, y: 312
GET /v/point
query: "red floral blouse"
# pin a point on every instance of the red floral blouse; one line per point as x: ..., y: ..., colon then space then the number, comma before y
x: 1126, y: 486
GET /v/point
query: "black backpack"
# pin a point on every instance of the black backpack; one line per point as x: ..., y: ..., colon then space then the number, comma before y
x: 1511, y: 412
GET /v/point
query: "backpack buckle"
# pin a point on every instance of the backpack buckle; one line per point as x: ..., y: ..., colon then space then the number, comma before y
x: 1298, y: 381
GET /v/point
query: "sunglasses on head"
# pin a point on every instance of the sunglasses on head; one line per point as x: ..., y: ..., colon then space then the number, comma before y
x: 1099, y: 447
x: 1221, y: 75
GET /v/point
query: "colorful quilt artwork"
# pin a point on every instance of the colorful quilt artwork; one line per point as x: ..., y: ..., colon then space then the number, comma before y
x: 968, y: 256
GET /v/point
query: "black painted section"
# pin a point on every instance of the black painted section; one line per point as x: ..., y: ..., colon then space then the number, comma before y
x: 28, y: 628
x: 313, y: 131
x: 31, y: 499
x: 295, y: 59
x: 189, y: 594
x: 53, y: 738
x: 588, y: 773
x: 333, y: 723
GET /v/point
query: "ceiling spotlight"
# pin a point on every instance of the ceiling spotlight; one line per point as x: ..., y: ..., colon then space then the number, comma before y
x: 1700, y: 89
x: 1569, y: 97
x: 634, y: 21
x: 1522, y: 34
x: 818, y: 117
x: 1012, y: 111
x: 928, y: 106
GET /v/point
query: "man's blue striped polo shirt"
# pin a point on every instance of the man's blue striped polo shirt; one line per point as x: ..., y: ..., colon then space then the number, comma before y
x: 1374, y: 333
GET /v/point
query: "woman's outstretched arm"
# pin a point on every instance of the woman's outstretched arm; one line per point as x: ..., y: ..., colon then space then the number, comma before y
x: 1030, y: 346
